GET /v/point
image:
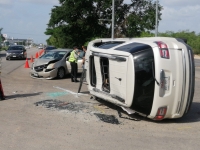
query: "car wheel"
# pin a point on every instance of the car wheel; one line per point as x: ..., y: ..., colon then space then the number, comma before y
x: 6, y: 58
x: 61, y: 73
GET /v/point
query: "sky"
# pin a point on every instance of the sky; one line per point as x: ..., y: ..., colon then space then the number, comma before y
x: 28, y: 19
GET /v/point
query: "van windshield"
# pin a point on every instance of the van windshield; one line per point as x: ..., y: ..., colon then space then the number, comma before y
x: 144, y: 81
x: 110, y: 44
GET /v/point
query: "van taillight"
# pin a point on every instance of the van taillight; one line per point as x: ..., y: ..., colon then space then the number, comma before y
x: 161, y: 113
x: 164, y: 52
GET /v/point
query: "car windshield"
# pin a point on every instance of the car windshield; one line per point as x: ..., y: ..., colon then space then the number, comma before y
x: 50, y: 48
x: 54, y: 55
x: 15, y: 48
x: 144, y: 81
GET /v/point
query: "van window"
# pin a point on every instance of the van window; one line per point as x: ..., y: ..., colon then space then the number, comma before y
x: 92, y: 71
x: 133, y: 47
x: 144, y: 81
x: 111, y: 44
x: 104, y: 63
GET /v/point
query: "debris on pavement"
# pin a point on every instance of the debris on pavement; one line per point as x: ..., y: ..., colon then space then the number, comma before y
x: 60, y: 105
x: 107, y: 118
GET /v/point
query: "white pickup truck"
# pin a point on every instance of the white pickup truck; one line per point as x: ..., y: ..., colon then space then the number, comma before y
x: 152, y: 76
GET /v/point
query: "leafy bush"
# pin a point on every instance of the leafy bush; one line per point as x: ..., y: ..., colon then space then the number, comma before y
x: 4, y: 48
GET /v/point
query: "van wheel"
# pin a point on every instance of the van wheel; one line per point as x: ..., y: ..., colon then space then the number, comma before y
x: 61, y: 73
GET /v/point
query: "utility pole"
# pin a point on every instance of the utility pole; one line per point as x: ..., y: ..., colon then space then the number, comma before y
x: 156, y: 29
x: 0, y: 35
x: 113, y: 17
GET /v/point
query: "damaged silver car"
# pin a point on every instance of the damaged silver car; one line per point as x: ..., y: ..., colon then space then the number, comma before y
x: 53, y: 64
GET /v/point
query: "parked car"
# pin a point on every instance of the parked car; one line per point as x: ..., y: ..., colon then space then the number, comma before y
x: 40, y: 47
x: 49, y: 48
x: 153, y: 77
x: 27, y: 47
x: 16, y: 52
x: 53, y: 64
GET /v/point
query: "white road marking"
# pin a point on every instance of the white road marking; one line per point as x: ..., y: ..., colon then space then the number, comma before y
x: 73, y: 93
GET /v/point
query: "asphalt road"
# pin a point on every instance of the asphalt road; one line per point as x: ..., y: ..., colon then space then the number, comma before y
x: 50, y: 115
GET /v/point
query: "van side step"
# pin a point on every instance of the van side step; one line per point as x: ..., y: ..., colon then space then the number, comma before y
x: 111, y: 95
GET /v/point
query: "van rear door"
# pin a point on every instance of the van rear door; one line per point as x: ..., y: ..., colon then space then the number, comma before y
x: 170, y: 64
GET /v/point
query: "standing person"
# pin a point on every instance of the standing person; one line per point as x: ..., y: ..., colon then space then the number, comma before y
x: 73, y: 58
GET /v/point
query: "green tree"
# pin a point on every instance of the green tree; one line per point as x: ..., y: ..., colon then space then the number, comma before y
x: 1, y: 36
x: 142, y: 17
x: 75, y: 22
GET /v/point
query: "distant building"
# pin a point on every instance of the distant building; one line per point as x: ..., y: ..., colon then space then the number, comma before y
x: 11, y: 41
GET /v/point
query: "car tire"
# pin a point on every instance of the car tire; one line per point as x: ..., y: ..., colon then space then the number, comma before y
x: 61, y: 73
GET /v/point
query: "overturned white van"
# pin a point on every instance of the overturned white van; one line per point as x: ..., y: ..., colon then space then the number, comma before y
x: 153, y: 77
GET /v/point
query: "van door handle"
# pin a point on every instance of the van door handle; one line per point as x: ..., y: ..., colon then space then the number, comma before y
x: 118, y: 78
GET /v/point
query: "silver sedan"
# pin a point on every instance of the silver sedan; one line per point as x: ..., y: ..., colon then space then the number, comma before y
x: 53, y: 64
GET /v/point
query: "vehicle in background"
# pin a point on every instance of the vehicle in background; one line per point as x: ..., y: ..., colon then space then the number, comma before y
x: 27, y: 47
x: 49, y: 48
x: 40, y: 47
x: 153, y: 77
x: 16, y: 52
x: 53, y: 64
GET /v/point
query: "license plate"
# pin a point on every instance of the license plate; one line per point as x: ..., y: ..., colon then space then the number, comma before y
x: 35, y: 74
x: 14, y: 56
x: 166, y: 85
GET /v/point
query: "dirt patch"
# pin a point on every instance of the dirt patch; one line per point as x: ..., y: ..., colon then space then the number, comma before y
x: 107, y: 118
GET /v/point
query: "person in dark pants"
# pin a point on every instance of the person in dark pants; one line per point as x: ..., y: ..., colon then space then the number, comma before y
x: 73, y: 58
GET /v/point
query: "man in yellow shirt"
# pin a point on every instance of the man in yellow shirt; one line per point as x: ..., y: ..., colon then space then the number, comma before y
x: 73, y: 59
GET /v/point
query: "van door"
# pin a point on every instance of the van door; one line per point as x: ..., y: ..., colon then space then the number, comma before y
x: 118, y: 79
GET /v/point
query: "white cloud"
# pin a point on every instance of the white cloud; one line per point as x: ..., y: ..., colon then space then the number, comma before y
x: 49, y: 2
x: 179, y: 3
x: 185, y: 13
x: 5, y: 2
x: 46, y: 2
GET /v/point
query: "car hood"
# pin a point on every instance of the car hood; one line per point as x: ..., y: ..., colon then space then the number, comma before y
x: 39, y: 62
x: 14, y: 51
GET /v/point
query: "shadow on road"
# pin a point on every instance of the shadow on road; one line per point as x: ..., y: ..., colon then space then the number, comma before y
x: 192, y: 116
x: 7, y: 97
x: 120, y: 111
